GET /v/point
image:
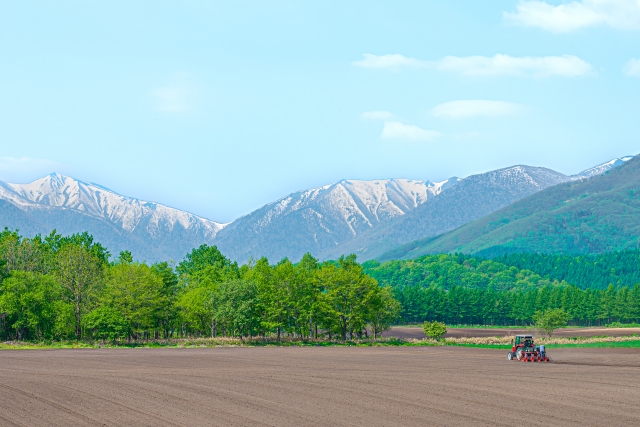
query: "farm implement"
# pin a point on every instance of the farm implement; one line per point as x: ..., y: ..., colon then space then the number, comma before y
x: 524, y: 350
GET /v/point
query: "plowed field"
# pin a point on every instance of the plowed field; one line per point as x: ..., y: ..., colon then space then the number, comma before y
x: 388, y: 386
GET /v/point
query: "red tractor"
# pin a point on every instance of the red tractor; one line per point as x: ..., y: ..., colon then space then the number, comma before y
x: 524, y: 349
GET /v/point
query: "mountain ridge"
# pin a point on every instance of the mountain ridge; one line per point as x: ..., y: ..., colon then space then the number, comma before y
x: 592, y: 215
x: 154, y: 231
x: 312, y: 220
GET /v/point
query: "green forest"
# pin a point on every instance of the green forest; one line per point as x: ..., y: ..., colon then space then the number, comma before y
x: 460, y: 289
x: 57, y: 288
x: 71, y: 288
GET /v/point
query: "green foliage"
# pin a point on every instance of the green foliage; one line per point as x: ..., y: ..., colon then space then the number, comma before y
x: 346, y: 290
x: 551, y: 319
x: 383, y: 310
x: 79, y: 272
x: 449, y: 271
x: 207, y: 263
x: 461, y: 289
x: 125, y: 257
x: 31, y: 303
x: 134, y: 291
x: 236, y: 311
x: 106, y: 324
x: 167, y: 314
x: 434, y: 330
x: 584, y: 271
x: 461, y: 305
x: 199, y: 276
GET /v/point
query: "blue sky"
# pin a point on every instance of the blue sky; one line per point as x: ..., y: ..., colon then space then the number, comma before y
x: 220, y: 107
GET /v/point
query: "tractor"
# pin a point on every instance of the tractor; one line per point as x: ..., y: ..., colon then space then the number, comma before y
x: 524, y: 349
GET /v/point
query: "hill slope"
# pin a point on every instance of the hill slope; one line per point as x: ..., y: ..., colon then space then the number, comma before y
x: 593, y: 215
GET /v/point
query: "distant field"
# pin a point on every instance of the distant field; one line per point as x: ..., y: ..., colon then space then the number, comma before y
x: 382, y: 386
x: 416, y: 332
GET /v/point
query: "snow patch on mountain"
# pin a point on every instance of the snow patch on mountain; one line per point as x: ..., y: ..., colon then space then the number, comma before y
x: 601, y: 169
x: 370, y: 201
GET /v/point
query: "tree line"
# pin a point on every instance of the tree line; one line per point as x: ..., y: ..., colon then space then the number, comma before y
x: 66, y: 287
x: 461, y: 289
x: 459, y: 305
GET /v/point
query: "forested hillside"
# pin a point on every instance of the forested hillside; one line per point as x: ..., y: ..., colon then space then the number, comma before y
x: 514, y: 271
x: 585, y: 271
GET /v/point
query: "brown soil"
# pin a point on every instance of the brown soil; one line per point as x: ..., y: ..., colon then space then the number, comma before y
x: 403, y: 332
x: 384, y: 386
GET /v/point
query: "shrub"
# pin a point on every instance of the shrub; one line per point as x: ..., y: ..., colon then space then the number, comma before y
x: 435, y: 330
x: 549, y: 320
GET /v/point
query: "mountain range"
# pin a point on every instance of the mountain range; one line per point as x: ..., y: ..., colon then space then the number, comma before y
x: 368, y: 218
x: 583, y: 216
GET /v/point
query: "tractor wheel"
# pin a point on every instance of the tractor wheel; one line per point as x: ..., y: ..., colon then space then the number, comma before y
x: 509, y: 356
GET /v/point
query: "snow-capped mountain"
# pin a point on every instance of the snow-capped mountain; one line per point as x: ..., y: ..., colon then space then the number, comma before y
x: 321, y: 218
x: 600, y: 169
x: 471, y: 198
x: 69, y: 205
x: 57, y: 190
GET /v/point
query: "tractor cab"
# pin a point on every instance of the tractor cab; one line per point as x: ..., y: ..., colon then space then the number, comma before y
x: 524, y: 342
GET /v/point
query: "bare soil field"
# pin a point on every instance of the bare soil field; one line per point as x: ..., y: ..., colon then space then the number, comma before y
x: 383, y: 386
x: 404, y: 332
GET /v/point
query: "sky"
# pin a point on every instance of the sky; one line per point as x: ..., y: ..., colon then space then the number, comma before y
x: 220, y: 107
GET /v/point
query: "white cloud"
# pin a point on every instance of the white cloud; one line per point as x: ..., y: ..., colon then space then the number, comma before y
x: 26, y: 169
x: 389, y: 61
x: 497, y: 65
x: 566, y: 17
x: 506, y: 65
x: 476, y: 108
x: 397, y: 130
x: 632, y: 68
x: 377, y: 115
